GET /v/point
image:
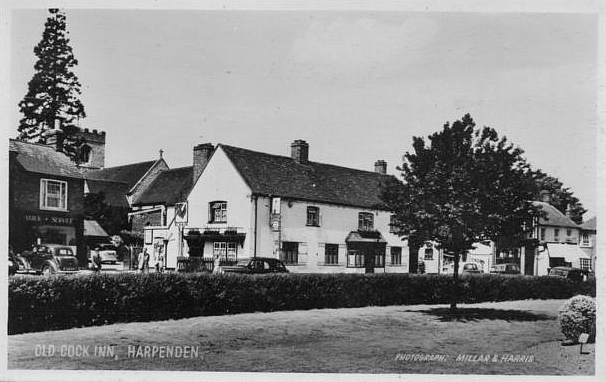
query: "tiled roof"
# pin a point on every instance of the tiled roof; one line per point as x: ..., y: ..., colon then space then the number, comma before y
x: 554, y: 217
x: 591, y: 224
x: 115, y: 192
x: 43, y: 159
x: 129, y: 174
x: 170, y: 187
x: 268, y: 174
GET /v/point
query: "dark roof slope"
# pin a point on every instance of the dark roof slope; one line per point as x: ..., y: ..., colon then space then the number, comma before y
x: 268, y: 174
x: 591, y: 224
x: 554, y: 217
x: 170, y: 187
x: 115, y: 192
x: 35, y: 157
x: 129, y: 174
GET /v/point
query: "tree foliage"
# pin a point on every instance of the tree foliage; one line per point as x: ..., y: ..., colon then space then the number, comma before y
x: 560, y: 197
x: 467, y: 185
x: 112, y: 219
x: 54, y: 89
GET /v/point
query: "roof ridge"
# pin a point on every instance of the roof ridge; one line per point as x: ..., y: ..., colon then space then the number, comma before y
x: 125, y: 165
x: 312, y: 162
x: 36, y: 144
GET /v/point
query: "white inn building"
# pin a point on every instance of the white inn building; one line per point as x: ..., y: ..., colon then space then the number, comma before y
x: 315, y: 217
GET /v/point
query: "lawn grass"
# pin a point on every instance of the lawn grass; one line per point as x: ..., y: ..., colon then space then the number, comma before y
x: 353, y: 340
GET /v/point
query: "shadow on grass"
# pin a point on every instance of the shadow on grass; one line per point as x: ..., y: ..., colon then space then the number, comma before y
x: 478, y: 314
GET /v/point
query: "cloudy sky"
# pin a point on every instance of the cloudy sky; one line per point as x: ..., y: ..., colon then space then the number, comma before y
x: 356, y: 85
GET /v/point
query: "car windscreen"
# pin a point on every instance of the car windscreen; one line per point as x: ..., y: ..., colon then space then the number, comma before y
x: 64, y: 252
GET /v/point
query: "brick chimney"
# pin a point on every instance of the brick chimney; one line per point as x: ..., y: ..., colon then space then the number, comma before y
x: 202, y: 153
x: 381, y: 166
x: 54, y: 138
x: 299, y: 151
x: 568, y: 211
x: 545, y: 196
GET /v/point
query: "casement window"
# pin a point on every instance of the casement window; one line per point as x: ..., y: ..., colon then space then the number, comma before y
x: 585, y: 264
x: 225, y: 250
x: 428, y: 254
x: 379, y: 260
x: 365, y: 221
x: 396, y: 255
x: 331, y: 254
x: 313, y: 216
x: 355, y: 259
x: 218, y: 212
x: 556, y: 234
x: 568, y: 232
x: 290, y: 252
x: 585, y: 240
x: 84, y: 154
x: 53, y: 195
x: 542, y: 234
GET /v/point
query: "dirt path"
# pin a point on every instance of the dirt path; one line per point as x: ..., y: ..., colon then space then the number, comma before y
x: 369, y: 340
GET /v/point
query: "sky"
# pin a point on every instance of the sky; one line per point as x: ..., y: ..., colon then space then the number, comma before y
x: 357, y: 86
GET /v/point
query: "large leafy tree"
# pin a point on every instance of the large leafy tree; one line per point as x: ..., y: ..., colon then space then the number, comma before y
x: 112, y: 219
x: 560, y: 197
x: 466, y: 186
x: 54, y: 89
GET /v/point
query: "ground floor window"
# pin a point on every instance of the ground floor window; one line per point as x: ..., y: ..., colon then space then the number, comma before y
x: 355, y: 259
x: 290, y: 252
x: 428, y: 254
x: 379, y: 260
x: 225, y: 250
x: 331, y: 254
x: 585, y: 264
x: 396, y: 255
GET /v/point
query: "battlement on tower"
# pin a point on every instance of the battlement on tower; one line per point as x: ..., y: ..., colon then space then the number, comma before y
x: 92, y: 136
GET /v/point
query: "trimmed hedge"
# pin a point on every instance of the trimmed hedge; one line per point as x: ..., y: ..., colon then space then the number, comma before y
x: 62, y: 302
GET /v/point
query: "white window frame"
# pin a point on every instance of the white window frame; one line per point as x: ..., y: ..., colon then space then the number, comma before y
x: 212, y: 209
x: 44, y: 197
x: 585, y: 240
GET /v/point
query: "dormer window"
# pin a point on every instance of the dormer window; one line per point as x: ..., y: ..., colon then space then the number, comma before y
x: 84, y: 154
x: 366, y: 221
x: 313, y: 216
x: 218, y: 212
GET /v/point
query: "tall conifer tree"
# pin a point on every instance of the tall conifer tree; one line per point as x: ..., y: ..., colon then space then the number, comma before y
x: 54, y: 89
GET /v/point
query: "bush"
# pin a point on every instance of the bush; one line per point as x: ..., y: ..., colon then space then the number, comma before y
x: 62, y: 302
x: 577, y: 315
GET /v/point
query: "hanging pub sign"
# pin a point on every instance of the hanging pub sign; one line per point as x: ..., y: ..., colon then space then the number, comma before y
x: 274, y: 215
x: 181, y: 212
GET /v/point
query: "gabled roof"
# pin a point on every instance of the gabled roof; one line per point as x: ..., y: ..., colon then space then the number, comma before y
x: 170, y: 187
x: 591, y: 224
x: 554, y: 217
x: 43, y: 159
x: 115, y: 192
x: 129, y: 174
x: 276, y: 175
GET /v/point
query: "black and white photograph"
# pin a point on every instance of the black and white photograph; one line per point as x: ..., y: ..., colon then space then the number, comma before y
x: 334, y: 190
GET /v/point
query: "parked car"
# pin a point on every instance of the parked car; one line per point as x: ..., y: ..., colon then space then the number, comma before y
x: 13, y: 265
x: 507, y: 269
x: 256, y: 265
x: 109, y: 257
x: 49, y: 259
x: 571, y: 273
x: 464, y: 267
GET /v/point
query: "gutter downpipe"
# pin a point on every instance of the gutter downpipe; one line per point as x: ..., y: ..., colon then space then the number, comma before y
x: 256, y: 197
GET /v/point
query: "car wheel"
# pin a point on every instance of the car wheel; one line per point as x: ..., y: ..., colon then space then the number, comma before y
x: 48, y: 270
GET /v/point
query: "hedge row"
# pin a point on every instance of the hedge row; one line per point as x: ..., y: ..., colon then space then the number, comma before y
x: 52, y: 303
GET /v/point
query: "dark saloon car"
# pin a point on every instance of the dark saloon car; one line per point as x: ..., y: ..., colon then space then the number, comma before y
x: 506, y: 269
x: 256, y: 265
x: 49, y: 259
x: 575, y: 274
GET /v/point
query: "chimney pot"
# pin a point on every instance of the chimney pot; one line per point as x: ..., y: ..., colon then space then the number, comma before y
x: 299, y: 151
x: 381, y: 166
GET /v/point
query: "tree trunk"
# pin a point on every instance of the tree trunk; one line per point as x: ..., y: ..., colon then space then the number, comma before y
x: 413, y: 257
x: 455, y: 285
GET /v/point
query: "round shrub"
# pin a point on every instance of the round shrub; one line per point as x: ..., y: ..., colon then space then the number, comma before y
x: 577, y: 315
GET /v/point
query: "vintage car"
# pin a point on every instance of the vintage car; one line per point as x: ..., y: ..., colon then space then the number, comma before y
x: 48, y: 259
x: 109, y: 257
x: 464, y: 267
x: 575, y: 274
x: 507, y: 269
x: 256, y: 265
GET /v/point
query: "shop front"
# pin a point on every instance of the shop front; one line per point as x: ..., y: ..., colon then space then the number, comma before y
x: 28, y: 228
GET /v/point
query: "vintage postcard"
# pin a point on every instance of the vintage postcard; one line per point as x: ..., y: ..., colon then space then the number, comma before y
x: 325, y: 190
